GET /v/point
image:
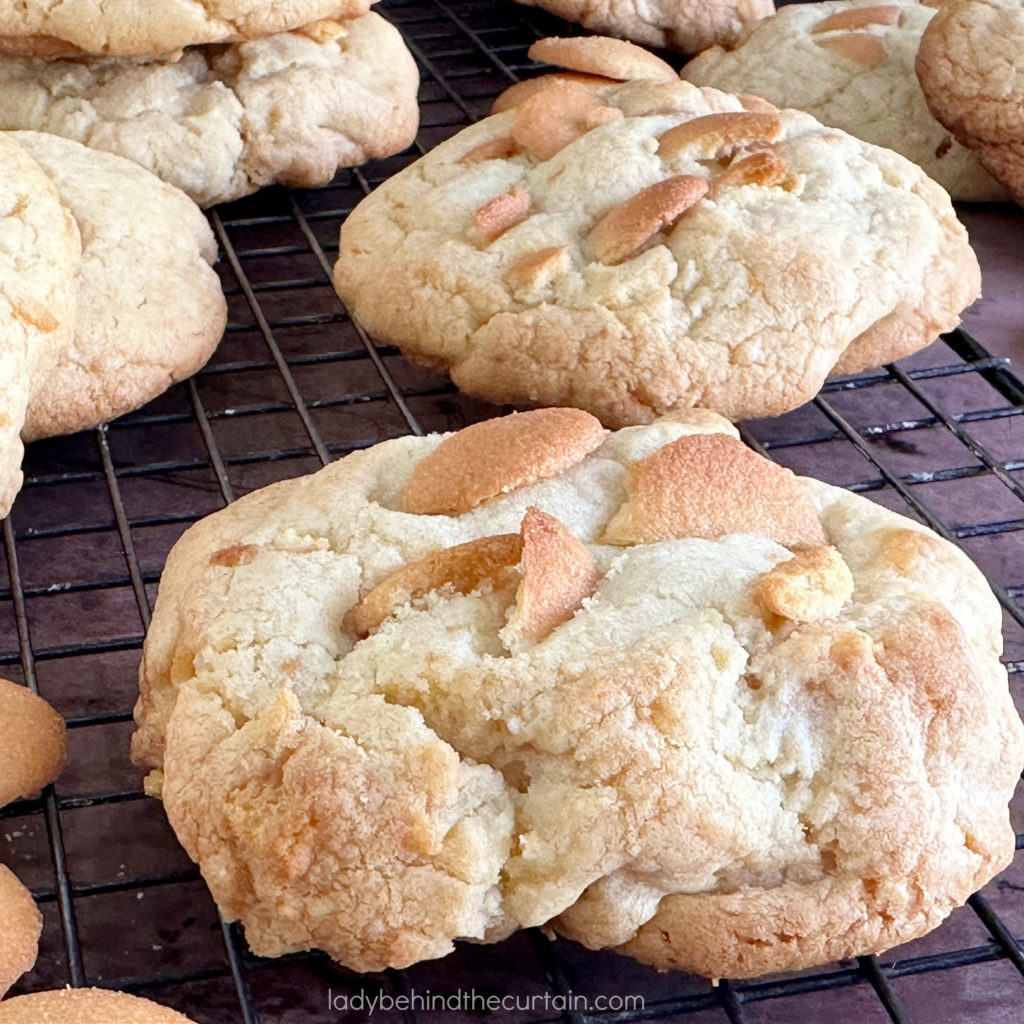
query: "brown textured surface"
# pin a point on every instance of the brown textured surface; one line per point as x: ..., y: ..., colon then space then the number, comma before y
x: 20, y: 925
x: 32, y: 742
x: 86, y: 1006
x: 85, y: 623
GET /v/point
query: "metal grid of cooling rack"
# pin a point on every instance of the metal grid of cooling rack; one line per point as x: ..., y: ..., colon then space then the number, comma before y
x: 296, y: 384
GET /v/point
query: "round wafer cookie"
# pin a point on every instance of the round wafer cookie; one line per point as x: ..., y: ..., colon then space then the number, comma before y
x: 32, y: 742
x: 646, y: 687
x: 640, y: 247
x: 127, y: 28
x: 150, y: 307
x: 20, y: 927
x: 86, y: 1006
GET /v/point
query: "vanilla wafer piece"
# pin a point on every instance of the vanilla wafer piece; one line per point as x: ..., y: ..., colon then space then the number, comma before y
x: 497, y: 456
x: 601, y: 55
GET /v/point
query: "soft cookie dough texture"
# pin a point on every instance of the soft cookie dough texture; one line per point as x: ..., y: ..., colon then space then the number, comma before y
x: 134, y: 28
x: 632, y: 248
x: 150, y: 309
x: 647, y: 687
x: 223, y: 121
x: 685, y: 25
x: 107, y: 296
x: 971, y: 73
x: 40, y: 250
x: 850, y: 65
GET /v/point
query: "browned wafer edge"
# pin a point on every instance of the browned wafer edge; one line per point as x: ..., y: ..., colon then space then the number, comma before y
x: 460, y: 569
x: 602, y: 55
x: 498, y: 455
x: 708, y: 486
x: 859, y: 17
x: 555, y: 117
x: 713, y: 134
x: 627, y: 227
x: 811, y: 586
x: 866, y: 50
x: 518, y: 93
x: 559, y: 574
x: 494, y: 218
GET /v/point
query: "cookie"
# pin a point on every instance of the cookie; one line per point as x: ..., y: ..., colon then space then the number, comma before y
x: 850, y: 63
x: 630, y: 682
x: 32, y: 742
x: 126, y: 28
x: 150, y: 309
x: 19, y: 936
x: 685, y: 25
x: 224, y: 121
x: 40, y: 252
x: 646, y: 246
x: 969, y: 68
x: 86, y: 1006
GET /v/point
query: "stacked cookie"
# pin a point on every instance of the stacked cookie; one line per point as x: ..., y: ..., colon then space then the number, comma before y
x: 850, y: 63
x: 108, y: 295
x: 32, y: 750
x: 216, y: 102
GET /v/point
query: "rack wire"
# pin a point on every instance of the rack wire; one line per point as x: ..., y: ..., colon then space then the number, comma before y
x: 296, y: 384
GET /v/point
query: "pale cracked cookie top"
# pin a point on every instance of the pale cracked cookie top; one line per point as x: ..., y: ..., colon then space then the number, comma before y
x: 616, y: 682
x: 150, y: 308
x: 970, y: 70
x: 632, y: 248
x: 130, y: 28
x: 685, y: 25
x: 40, y: 252
x: 223, y: 121
x: 850, y: 63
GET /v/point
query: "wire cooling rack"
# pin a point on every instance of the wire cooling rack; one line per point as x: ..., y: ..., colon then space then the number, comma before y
x: 296, y: 384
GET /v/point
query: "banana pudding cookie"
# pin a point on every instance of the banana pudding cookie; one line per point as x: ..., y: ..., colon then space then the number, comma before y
x: 40, y: 253
x: 128, y: 28
x: 636, y: 247
x: 223, y: 121
x: 646, y: 687
x: 850, y: 63
x: 150, y: 309
x: 685, y: 25
x: 970, y: 70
